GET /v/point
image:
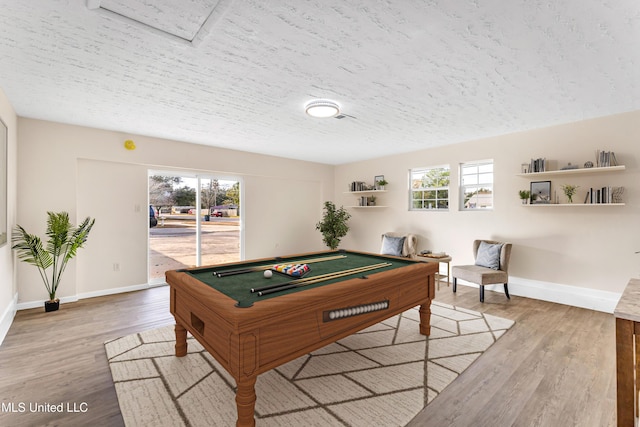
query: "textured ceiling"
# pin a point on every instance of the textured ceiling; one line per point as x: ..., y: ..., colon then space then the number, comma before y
x: 237, y: 73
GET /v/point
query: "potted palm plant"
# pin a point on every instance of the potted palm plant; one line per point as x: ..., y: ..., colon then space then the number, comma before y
x: 333, y: 225
x: 63, y: 244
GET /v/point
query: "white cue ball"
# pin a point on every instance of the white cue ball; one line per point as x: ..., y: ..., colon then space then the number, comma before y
x: 268, y: 274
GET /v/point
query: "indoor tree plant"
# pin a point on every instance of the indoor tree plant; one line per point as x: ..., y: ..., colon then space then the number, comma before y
x: 524, y: 196
x: 63, y: 244
x: 333, y: 225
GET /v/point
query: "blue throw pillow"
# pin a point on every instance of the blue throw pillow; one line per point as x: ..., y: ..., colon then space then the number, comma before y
x: 489, y: 255
x: 392, y: 245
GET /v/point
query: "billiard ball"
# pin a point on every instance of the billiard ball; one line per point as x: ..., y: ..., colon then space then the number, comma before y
x: 268, y: 274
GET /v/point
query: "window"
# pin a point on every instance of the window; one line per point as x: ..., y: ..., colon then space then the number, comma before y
x: 476, y: 185
x: 430, y: 188
x: 186, y: 235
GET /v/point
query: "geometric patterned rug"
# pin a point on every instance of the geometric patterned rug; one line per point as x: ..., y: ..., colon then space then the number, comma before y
x: 381, y: 376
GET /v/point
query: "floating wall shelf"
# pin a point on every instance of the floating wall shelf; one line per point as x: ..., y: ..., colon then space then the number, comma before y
x: 573, y: 171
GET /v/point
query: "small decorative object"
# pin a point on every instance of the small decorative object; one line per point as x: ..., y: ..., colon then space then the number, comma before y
x: 569, y: 166
x: 380, y: 182
x: 524, y: 168
x: 333, y: 225
x: 64, y: 242
x: 524, y: 196
x: 588, y: 165
x: 570, y: 191
x: 129, y: 145
x: 616, y: 194
x: 541, y: 192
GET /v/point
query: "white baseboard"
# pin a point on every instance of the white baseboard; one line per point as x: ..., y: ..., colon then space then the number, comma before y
x: 7, y: 318
x: 591, y: 299
x: 105, y: 292
x: 101, y: 293
x: 40, y: 303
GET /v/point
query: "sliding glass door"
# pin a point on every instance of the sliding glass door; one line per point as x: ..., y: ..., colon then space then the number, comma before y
x: 194, y: 220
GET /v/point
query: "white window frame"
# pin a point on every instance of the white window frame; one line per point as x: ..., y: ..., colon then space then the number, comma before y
x: 474, y: 181
x: 438, y: 202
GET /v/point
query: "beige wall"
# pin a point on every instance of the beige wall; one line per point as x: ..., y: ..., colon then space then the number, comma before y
x: 8, y: 287
x: 87, y: 172
x: 575, y: 255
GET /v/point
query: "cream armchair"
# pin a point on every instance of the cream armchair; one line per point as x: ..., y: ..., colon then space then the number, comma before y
x: 491, y: 266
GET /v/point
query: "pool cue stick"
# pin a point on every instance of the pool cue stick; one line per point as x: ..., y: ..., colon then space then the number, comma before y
x: 318, y: 279
x: 327, y: 275
x: 268, y: 267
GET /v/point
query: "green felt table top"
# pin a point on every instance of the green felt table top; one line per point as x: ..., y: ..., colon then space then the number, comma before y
x: 238, y: 287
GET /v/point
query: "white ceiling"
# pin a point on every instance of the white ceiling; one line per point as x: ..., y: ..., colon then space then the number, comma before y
x: 237, y: 73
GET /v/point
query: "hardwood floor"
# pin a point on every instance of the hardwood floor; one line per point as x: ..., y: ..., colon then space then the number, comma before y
x: 555, y: 367
x: 60, y: 358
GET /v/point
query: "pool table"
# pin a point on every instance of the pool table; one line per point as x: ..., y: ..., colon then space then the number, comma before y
x: 250, y: 334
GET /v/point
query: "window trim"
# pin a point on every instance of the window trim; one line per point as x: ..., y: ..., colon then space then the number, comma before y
x: 462, y: 188
x: 425, y: 169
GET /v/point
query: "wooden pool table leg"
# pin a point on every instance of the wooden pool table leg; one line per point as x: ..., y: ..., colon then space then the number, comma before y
x: 425, y: 319
x: 181, y: 340
x: 425, y: 309
x: 246, y: 401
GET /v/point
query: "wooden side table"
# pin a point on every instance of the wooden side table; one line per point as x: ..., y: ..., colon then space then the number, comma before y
x: 627, y: 314
x: 443, y: 260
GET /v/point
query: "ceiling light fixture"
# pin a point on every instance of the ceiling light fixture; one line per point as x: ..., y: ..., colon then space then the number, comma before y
x: 322, y: 108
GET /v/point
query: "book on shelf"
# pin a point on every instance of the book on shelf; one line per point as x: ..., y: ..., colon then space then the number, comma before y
x: 538, y: 165
x: 604, y: 195
x: 366, y: 201
x: 434, y: 255
x: 358, y: 186
x: 606, y: 159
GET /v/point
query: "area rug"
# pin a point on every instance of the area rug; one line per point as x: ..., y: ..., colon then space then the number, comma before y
x: 381, y: 376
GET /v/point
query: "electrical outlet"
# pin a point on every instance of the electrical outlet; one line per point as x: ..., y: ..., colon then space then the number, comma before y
x: 116, y: 266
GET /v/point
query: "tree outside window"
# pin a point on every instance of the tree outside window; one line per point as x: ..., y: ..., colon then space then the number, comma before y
x: 430, y: 188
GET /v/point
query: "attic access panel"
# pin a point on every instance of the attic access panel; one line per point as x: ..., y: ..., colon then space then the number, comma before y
x: 179, y: 18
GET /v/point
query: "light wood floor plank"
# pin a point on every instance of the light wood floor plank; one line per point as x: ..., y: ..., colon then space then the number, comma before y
x: 59, y: 357
x: 555, y: 367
